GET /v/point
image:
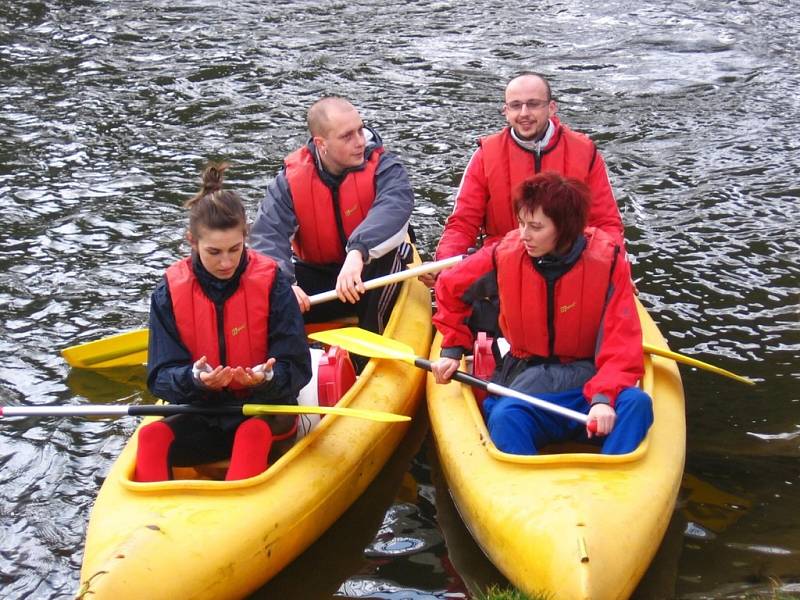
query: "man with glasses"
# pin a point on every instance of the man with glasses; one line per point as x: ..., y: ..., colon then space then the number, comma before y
x: 534, y: 141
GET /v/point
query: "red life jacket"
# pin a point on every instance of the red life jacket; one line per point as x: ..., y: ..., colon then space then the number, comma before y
x: 246, y: 313
x: 506, y: 164
x: 318, y: 238
x: 579, y: 299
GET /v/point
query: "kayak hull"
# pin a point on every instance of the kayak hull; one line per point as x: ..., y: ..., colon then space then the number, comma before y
x: 568, y: 524
x: 215, y: 539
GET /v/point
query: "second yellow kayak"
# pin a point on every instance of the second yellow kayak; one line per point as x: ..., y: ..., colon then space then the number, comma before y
x: 569, y: 525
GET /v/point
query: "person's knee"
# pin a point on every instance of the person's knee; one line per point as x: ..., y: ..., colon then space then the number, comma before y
x: 513, y: 430
x: 152, y: 452
x: 505, y: 413
x: 636, y: 403
x: 251, y: 448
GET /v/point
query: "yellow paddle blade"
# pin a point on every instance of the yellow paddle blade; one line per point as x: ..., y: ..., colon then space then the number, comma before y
x: 366, y: 343
x: 687, y: 360
x: 122, y: 350
x: 251, y: 410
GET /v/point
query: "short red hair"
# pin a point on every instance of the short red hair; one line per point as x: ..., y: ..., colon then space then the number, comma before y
x: 563, y: 199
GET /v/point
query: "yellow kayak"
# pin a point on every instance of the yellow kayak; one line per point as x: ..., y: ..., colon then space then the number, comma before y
x: 567, y: 524
x: 194, y: 538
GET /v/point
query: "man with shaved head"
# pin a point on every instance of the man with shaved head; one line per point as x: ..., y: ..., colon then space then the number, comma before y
x: 336, y: 215
x: 534, y: 141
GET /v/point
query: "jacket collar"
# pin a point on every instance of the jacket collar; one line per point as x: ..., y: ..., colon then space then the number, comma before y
x: 553, y: 266
x: 218, y: 290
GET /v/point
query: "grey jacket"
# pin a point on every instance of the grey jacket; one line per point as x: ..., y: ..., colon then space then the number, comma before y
x: 383, y: 230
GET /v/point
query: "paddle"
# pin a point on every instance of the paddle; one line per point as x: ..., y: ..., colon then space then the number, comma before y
x: 164, y: 410
x: 130, y: 348
x: 366, y: 343
x: 688, y: 360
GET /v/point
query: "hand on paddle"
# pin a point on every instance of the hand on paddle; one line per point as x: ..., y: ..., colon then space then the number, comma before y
x: 221, y: 377
x: 604, y: 418
x: 443, y: 369
x: 349, y: 286
x: 429, y: 279
x: 303, y: 300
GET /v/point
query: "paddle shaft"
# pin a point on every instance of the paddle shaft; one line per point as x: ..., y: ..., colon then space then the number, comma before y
x: 693, y: 362
x: 500, y: 390
x: 154, y: 410
x: 370, y: 284
x: 165, y: 410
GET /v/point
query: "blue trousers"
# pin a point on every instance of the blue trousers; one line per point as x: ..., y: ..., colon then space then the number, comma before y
x: 517, y: 427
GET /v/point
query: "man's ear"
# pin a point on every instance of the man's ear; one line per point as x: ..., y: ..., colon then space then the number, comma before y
x: 319, y: 143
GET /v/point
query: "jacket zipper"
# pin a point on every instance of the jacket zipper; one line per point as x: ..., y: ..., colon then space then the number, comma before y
x: 220, y: 311
x: 551, y: 326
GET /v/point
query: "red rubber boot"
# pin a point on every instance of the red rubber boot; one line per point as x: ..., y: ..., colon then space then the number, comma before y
x: 152, y: 452
x: 251, y: 446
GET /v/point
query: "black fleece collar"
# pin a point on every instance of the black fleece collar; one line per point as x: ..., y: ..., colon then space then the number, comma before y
x: 553, y: 266
x: 218, y: 290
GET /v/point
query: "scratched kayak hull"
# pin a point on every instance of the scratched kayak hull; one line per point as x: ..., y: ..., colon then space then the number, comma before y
x: 194, y: 539
x: 567, y: 525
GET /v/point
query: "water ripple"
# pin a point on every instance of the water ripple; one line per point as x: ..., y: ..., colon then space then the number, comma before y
x: 110, y: 109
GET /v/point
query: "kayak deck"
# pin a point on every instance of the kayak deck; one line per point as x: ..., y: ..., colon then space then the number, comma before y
x: 570, y: 524
x: 223, y: 539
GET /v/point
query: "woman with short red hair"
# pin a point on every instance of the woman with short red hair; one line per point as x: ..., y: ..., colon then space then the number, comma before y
x: 567, y: 310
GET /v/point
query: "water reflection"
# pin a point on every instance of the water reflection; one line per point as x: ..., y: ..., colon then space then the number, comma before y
x: 107, y: 111
x: 328, y: 565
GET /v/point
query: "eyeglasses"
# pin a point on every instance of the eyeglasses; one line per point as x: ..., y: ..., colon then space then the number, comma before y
x: 516, y: 105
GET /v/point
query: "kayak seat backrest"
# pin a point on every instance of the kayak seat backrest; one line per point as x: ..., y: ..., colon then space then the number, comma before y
x: 332, y: 375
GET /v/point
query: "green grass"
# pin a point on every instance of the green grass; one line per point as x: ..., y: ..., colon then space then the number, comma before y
x: 774, y: 594
x: 497, y: 593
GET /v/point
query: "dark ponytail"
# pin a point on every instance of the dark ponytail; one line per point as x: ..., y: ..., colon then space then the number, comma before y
x: 212, y: 207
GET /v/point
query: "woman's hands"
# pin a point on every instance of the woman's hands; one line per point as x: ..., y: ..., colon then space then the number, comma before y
x: 221, y: 377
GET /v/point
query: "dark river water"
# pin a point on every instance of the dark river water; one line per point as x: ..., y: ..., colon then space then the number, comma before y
x: 108, y: 110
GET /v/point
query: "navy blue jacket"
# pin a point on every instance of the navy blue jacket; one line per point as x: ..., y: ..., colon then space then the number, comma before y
x: 169, y: 364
